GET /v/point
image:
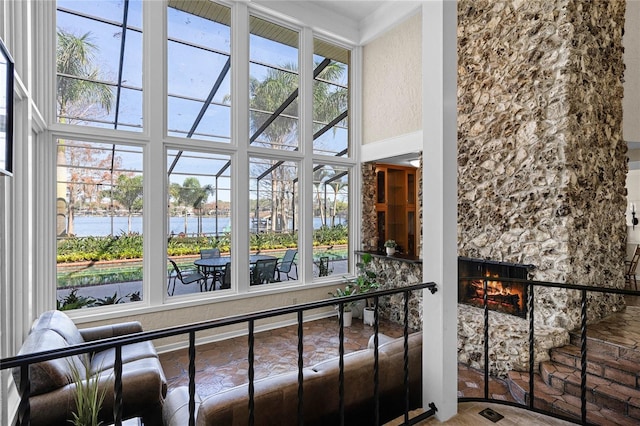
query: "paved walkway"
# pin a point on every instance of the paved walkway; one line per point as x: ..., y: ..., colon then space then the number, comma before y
x: 124, y: 290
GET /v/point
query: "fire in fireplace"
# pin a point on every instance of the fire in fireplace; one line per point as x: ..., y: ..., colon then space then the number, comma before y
x: 507, y: 297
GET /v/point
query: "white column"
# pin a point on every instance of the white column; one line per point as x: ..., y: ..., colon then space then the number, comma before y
x: 439, y: 195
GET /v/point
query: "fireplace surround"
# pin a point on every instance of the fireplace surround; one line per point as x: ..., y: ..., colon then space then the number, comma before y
x: 502, y: 296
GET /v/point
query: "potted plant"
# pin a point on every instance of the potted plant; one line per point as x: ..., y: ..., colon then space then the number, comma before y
x: 365, y: 282
x: 390, y: 246
x: 348, y: 290
x: 88, y: 396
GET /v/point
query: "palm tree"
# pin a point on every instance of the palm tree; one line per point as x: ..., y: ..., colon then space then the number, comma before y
x: 76, y: 90
x: 268, y: 95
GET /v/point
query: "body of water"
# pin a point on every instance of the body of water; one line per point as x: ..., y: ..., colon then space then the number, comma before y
x: 85, y: 226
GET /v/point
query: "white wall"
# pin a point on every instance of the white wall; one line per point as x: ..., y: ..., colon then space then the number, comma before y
x: 392, y: 82
x: 631, y: 100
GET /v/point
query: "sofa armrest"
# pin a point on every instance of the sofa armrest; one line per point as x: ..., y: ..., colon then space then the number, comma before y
x: 111, y: 330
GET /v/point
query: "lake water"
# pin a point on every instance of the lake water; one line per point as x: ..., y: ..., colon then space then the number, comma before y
x: 85, y: 226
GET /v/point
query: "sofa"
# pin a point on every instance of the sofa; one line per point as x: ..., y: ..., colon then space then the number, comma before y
x: 144, y: 386
x: 276, y: 397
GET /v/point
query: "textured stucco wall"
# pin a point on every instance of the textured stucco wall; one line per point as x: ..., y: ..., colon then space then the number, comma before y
x: 392, y: 82
x: 631, y: 101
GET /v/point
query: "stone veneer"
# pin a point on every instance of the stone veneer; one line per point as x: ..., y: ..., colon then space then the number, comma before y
x: 541, y: 159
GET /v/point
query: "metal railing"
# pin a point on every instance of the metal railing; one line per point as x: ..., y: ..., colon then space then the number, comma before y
x: 23, y: 361
x: 531, y: 285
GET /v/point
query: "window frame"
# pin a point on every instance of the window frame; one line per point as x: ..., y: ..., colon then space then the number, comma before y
x: 155, y: 143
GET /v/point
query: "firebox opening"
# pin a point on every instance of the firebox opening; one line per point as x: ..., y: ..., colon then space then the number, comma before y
x: 506, y: 297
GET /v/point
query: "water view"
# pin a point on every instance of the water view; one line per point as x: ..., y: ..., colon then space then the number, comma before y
x: 85, y: 226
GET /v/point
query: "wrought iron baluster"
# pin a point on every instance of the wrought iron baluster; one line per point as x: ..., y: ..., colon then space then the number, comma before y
x: 300, y: 367
x: 251, y: 357
x: 192, y: 378
x: 531, y: 345
x: 117, y: 387
x: 485, y: 304
x: 406, y: 357
x: 376, y: 364
x: 24, y: 408
x: 341, y: 365
x: 583, y: 356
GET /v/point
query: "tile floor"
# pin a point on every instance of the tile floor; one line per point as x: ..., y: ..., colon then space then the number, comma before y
x: 223, y: 364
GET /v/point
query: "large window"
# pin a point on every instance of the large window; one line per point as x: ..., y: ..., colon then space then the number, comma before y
x: 273, y: 85
x: 256, y: 179
x: 330, y: 219
x: 99, y: 224
x: 99, y: 63
x: 198, y: 218
x: 198, y: 67
x: 330, y: 99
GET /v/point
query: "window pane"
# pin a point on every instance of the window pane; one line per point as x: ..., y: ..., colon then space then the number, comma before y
x: 199, y: 218
x: 99, y: 224
x: 91, y: 44
x: 273, y: 203
x: 198, y: 65
x: 273, y: 85
x: 330, y: 220
x: 331, y: 99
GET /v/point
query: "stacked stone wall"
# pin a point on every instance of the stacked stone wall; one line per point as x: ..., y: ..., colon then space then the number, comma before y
x: 541, y: 159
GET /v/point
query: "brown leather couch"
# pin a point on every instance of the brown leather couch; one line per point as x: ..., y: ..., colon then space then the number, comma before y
x: 276, y: 397
x: 144, y: 386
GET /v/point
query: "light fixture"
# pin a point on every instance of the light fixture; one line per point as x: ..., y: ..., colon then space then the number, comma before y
x: 634, y: 219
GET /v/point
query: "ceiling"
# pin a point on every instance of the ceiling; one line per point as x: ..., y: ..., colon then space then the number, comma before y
x: 356, y: 10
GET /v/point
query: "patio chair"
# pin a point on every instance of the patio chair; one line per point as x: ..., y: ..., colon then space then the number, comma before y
x: 226, y: 277
x: 190, y: 278
x: 208, y: 253
x: 323, y: 267
x: 264, y: 272
x: 286, y: 264
x: 214, y: 273
x: 631, y: 266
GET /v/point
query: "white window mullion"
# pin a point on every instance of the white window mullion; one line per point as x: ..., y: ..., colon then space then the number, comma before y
x: 155, y: 176
x: 240, y: 138
x: 305, y: 257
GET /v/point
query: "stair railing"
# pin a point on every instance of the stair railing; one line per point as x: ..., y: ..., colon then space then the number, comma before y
x: 531, y: 285
x: 24, y: 361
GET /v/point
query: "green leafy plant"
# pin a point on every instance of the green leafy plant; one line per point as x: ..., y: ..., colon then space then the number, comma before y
x: 73, y: 301
x: 366, y: 278
x: 390, y: 243
x: 109, y: 300
x: 348, y: 290
x: 88, y: 394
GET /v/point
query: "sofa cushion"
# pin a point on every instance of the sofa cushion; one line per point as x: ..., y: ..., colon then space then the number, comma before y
x: 59, y: 322
x: 47, y: 375
x: 105, y: 360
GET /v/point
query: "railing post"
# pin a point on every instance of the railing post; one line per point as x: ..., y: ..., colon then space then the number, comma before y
x: 583, y: 357
x: 530, y: 310
x: 485, y: 303
x: 406, y: 357
x: 192, y: 378
x: 251, y: 373
x: 24, y: 408
x: 117, y: 387
x: 376, y: 364
x: 341, y: 364
x: 300, y: 367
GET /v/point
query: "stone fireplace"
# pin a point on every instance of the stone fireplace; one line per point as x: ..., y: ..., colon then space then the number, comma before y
x: 541, y: 161
x: 502, y: 296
